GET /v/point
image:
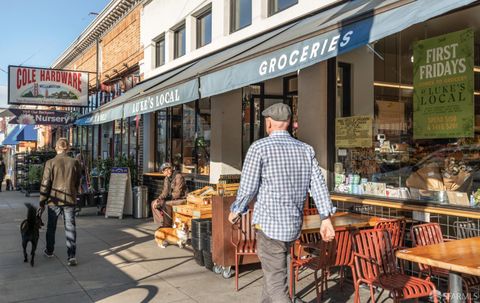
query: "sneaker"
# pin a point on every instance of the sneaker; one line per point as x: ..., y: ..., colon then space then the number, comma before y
x: 72, y: 262
x: 47, y: 254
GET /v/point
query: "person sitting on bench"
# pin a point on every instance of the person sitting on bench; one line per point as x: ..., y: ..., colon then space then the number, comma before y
x: 173, y: 193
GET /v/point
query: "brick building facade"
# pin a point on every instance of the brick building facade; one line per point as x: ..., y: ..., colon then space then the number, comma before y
x: 117, y: 30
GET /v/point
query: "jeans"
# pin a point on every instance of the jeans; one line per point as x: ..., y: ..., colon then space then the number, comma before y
x: 68, y: 213
x: 273, y: 255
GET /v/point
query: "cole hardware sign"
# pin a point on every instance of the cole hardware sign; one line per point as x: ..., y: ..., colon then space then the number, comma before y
x: 41, y: 86
x: 41, y: 117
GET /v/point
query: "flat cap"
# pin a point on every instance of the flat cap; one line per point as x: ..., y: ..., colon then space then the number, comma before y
x: 278, y: 112
x: 165, y: 166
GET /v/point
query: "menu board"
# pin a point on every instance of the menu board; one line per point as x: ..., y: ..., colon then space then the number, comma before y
x: 119, y: 200
x: 443, y: 86
x: 353, y: 132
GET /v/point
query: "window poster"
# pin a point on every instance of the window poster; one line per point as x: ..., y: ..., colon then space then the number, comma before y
x: 443, y: 86
x: 353, y: 132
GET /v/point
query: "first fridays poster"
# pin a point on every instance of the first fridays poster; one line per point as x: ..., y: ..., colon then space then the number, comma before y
x: 443, y: 86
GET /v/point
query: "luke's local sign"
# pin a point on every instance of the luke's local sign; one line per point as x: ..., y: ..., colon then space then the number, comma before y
x: 41, y: 86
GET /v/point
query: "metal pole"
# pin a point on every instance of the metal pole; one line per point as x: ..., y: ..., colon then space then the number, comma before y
x: 455, y: 285
x: 97, y: 76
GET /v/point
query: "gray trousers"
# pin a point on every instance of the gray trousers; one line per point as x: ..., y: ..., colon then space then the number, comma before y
x: 273, y: 255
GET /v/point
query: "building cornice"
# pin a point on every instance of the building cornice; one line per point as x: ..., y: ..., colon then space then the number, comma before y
x: 115, y: 11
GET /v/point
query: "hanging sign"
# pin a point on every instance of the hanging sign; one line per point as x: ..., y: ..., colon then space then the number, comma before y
x: 41, y: 117
x: 353, y: 132
x: 443, y: 86
x: 42, y: 86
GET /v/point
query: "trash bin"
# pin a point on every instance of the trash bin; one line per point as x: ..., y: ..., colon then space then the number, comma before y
x: 140, y: 205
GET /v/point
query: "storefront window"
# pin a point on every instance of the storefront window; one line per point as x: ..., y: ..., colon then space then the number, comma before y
x: 89, y: 139
x: 161, y: 138
x: 107, y: 140
x: 132, y: 151
x: 189, y: 138
x: 118, y: 138
x: 202, y: 142
x: 175, y: 137
x: 419, y: 138
x: 95, y: 142
x: 125, y: 137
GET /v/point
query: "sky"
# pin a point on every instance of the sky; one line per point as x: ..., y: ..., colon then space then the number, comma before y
x: 36, y: 32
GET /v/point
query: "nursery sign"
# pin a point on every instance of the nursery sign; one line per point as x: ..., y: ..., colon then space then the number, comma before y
x: 443, y: 86
x: 42, y: 86
x: 41, y: 117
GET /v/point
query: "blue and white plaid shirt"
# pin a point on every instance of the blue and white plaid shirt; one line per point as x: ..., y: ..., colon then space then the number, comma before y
x: 279, y: 170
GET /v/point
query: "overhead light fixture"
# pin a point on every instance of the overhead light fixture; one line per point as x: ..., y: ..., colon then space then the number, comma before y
x: 392, y: 85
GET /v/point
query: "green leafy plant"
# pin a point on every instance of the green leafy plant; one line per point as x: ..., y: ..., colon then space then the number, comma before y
x: 35, y: 172
x: 103, y: 169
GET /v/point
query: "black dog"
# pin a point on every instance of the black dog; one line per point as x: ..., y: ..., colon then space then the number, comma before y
x: 30, y: 232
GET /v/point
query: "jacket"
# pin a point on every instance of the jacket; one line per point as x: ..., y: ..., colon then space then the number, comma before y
x: 61, y: 181
x: 174, y: 187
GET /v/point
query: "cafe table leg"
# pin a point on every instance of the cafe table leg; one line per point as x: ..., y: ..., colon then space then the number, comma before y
x: 455, y: 285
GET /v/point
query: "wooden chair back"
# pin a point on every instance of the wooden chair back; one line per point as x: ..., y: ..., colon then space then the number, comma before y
x: 465, y: 229
x: 373, y: 254
x: 396, y: 228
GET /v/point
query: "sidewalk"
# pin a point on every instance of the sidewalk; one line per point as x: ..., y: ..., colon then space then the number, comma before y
x: 119, y: 262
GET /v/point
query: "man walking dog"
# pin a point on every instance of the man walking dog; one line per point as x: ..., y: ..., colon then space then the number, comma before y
x: 279, y: 170
x: 59, y: 188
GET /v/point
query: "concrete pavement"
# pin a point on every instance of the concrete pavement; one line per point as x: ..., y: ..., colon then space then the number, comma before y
x: 120, y: 262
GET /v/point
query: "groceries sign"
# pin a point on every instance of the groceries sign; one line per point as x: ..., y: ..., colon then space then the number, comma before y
x: 41, y: 86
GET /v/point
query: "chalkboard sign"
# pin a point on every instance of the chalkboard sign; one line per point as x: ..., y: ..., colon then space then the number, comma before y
x: 119, y: 201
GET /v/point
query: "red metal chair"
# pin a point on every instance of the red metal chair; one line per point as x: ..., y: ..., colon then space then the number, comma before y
x: 344, y: 255
x: 376, y: 266
x: 244, y: 240
x: 396, y: 228
x: 303, y: 256
x: 323, y: 256
x: 431, y: 233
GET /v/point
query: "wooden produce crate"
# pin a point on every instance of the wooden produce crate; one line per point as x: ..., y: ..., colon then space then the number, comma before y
x: 229, y: 190
x: 194, y: 211
x: 201, y: 196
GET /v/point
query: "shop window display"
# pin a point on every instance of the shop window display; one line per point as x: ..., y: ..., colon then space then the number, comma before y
x: 133, y: 129
x: 202, y: 141
x: 117, y: 138
x: 125, y: 135
x: 107, y: 140
x: 161, y: 138
x: 421, y: 140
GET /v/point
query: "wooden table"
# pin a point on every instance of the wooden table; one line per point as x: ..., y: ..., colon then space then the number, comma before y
x: 459, y: 257
x: 341, y: 219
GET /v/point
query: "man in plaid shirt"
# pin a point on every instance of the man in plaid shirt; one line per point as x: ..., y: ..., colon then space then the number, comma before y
x: 279, y: 170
